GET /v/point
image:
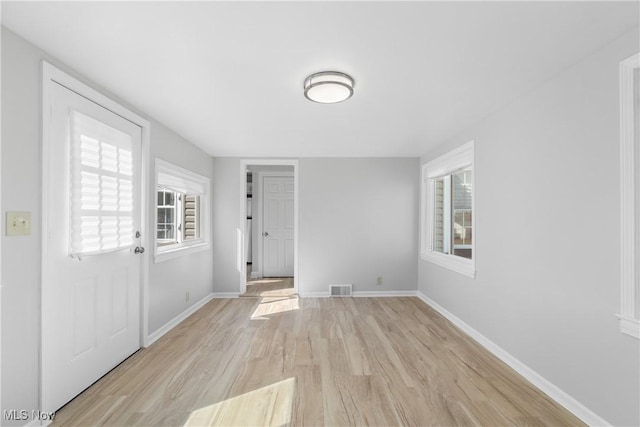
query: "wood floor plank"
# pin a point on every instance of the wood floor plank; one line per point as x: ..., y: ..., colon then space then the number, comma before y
x: 284, y: 360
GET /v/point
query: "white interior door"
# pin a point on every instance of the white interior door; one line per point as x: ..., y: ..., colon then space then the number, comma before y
x: 91, y: 295
x: 278, y: 226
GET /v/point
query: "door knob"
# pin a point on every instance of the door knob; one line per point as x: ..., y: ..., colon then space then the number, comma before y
x: 265, y: 234
x: 139, y: 250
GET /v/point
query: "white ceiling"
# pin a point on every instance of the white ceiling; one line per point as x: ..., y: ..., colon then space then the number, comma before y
x: 228, y: 76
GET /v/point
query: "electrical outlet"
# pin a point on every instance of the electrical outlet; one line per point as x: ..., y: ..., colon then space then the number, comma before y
x: 187, y: 296
x: 379, y: 281
x: 18, y: 223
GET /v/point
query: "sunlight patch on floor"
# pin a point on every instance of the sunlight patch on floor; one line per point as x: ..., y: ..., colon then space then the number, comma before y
x: 275, y: 305
x: 267, y: 406
x: 282, y: 293
x: 259, y: 281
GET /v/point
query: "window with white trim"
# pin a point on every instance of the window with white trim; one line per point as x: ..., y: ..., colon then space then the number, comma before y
x: 447, y: 217
x: 630, y: 195
x: 178, y: 217
x: 182, y: 211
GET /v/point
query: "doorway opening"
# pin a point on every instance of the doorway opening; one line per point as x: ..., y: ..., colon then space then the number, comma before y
x: 268, y: 255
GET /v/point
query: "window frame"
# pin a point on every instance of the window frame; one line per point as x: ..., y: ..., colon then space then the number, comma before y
x: 629, y: 315
x: 446, y: 164
x: 164, y: 205
x: 180, y: 180
x: 179, y: 222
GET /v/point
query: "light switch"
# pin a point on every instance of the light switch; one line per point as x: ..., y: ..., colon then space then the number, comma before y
x: 18, y: 223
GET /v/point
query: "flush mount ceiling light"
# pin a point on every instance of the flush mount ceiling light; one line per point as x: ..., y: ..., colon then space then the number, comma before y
x: 328, y: 87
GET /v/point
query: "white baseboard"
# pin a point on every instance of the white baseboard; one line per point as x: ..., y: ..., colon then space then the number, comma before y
x: 38, y: 423
x: 378, y: 294
x: 629, y: 326
x: 546, y: 386
x: 176, y: 320
x: 360, y: 294
x: 225, y: 295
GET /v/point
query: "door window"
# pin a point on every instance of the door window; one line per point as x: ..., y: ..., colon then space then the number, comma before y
x: 101, y: 187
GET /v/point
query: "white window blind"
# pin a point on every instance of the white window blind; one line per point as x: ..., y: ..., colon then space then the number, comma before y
x: 101, y: 205
x: 180, y: 181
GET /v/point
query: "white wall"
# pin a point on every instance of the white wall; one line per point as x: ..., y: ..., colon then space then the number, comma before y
x: 170, y: 280
x: 357, y: 220
x: 21, y: 186
x: 548, y: 246
x: 21, y: 191
x: 226, y: 213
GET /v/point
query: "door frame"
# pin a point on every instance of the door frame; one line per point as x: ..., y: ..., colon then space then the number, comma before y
x: 242, y: 223
x: 259, y: 208
x: 52, y: 75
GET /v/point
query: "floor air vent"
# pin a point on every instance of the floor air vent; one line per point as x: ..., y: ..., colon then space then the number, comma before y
x: 340, y: 290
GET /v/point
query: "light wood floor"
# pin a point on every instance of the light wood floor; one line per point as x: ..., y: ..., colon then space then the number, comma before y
x: 270, y: 287
x: 332, y: 361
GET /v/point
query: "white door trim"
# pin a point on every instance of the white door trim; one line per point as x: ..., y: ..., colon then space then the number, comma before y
x: 258, y: 217
x: 242, y: 223
x: 52, y: 75
x: 629, y: 201
x: 1, y: 406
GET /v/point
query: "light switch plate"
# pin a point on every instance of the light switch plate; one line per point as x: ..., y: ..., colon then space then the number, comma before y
x: 18, y: 223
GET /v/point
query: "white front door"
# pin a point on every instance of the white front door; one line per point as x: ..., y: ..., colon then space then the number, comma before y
x: 278, y: 226
x: 92, y: 212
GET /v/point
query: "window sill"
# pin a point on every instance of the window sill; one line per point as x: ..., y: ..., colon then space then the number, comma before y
x: 629, y: 326
x: 458, y: 264
x: 175, y: 252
